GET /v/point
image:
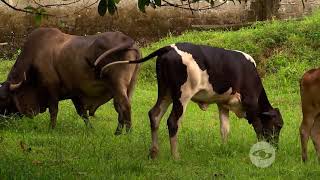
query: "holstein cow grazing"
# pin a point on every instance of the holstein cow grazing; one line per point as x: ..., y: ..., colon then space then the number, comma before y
x: 54, y: 66
x: 209, y: 75
x: 310, y: 102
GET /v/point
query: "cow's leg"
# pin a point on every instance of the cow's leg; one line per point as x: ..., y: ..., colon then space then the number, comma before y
x: 122, y: 106
x: 315, y: 135
x: 305, y: 130
x: 53, y: 110
x: 120, y: 118
x: 155, y: 115
x: 82, y: 112
x: 224, y: 123
x: 178, y: 109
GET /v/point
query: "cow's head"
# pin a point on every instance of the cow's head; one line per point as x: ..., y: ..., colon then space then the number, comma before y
x: 7, y: 105
x: 18, y: 99
x: 271, y: 125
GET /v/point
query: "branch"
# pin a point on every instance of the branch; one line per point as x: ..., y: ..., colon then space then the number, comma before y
x: 23, y: 10
x: 192, y: 9
x: 48, y: 6
x: 190, y: 6
x: 55, y: 5
x: 86, y: 7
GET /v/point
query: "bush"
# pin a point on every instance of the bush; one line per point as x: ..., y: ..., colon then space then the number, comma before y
x: 287, y: 48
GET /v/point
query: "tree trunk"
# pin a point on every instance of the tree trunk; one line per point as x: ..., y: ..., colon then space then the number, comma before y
x: 262, y: 10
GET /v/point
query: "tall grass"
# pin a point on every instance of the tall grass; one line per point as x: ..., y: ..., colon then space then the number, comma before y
x: 283, y: 51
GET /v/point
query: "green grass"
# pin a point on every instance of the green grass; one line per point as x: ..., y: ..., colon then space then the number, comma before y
x: 283, y: 50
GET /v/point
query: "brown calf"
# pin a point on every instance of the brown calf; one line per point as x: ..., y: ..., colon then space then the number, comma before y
x: 310, y: 102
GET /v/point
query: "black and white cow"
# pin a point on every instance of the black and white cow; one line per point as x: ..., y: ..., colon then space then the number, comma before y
x: 209, y: 75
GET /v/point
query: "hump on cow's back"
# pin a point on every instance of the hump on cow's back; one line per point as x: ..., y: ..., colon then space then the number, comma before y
x: 43, y: 31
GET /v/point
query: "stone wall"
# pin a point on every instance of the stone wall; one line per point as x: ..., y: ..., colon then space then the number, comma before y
x: 294, y: 8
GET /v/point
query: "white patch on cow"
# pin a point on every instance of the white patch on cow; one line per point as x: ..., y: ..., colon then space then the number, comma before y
x: 198, y: 88
x: 190, y: 87
x: 248, y: 57
x: 0, y: 85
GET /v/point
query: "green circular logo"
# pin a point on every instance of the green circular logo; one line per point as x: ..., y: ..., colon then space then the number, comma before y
x: 262, y: 154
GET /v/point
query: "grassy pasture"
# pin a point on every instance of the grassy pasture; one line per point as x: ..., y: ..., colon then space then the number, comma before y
x: 283, y: 51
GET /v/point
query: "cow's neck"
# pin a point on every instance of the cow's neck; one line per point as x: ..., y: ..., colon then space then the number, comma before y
x: 264, y: 104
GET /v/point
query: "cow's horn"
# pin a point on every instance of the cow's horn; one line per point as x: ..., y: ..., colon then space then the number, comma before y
x: 15, y: 86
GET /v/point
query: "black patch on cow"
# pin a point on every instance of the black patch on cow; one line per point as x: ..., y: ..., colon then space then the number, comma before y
x: 173, y: 73
x: 224, y: 67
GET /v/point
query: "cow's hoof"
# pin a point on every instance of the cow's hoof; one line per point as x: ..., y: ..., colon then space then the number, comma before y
x: 153, y: 153
x: 52, y: 126
x: 176, y: 157
x: 118, y: 132
x: 304, y: 159
x: 128, y: 130
x: 89, y: 125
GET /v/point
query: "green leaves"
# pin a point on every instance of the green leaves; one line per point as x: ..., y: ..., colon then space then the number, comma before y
x: 112, y: 8
x: 143, y: 3
x: 38, y: 12
x: 102, y: 7
x: 157, y: 2
x: 109, y: 5
x: 30, y: 8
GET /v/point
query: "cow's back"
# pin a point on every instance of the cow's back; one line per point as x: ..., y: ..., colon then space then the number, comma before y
x: 35, y: 52
x: 310, y: 88
x: 225, y: 68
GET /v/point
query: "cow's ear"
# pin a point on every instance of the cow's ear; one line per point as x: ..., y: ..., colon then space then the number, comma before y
x: 4, y: 90
x: 26, y: 101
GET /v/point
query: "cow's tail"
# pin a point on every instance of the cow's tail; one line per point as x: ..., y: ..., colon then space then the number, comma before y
x: 120, y: 47
x: 134, y: 76
x: 158, y: 52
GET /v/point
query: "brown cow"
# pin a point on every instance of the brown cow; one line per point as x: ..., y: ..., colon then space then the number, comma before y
x: 310, y: 102
x: 54, y: 66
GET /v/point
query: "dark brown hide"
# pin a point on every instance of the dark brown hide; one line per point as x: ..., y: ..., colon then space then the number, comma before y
x: 61, y: 66
x: 26, y: 101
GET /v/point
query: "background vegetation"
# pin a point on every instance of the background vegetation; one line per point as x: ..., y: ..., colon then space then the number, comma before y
x: 143, y: 27
x: 283, y: 52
